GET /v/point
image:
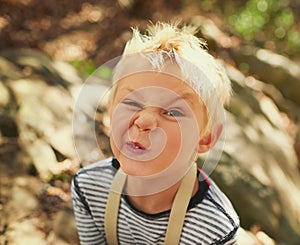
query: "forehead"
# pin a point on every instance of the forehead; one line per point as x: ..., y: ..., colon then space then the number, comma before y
x: 137, y: 72
x: 143, y: 62
x: 155, y: 82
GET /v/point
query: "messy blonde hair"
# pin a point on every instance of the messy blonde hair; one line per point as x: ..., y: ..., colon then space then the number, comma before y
x: 200, y: 70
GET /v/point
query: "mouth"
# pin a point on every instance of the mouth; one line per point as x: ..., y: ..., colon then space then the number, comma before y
x: 135, y: 145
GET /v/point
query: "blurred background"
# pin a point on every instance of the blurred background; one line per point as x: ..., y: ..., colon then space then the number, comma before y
x: 49, y: 48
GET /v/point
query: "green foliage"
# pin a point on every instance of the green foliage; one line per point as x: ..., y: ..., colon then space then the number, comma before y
x: 270, y: 22
x: 84, y: 67
x: 250, y: 20
x: 103, y: 72
x: 62, y: 176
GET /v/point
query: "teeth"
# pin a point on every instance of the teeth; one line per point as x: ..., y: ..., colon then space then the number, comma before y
x: 134, y: 145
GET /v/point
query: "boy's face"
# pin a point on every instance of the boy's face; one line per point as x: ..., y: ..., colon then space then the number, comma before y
x: 156, y: 123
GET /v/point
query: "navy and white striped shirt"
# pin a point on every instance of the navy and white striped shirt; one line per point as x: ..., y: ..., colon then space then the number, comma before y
x: 210, y: 218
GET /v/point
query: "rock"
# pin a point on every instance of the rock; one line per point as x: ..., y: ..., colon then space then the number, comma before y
x: 52, y: 239
x: 36, y: 62
x: 259, y: 167
x: 37, y: 114
x: 84, y: 125
x: 6, y: 65
x: 267, y: 66
x: 271, y: 68
x: 62, y: 141
x: 64, y: 226
x: 25, y: 232
x: 8, y: 128
x: 43, y: 157
x: 19, y: 193
x: 67, y: 72
x: 4, y: 95
x: 258, y: 170
x: 44, y: 122
x: 20, y: 214
x: 247, y: 237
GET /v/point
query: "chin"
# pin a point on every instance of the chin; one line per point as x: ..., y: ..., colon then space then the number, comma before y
x: 136, y: 168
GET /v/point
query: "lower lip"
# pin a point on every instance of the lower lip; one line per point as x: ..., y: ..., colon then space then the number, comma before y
x: 131, y: 148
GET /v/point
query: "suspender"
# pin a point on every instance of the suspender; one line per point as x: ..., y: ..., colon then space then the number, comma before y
x: 112, y: 207
x: 180, y: 206
x: 177, y: 214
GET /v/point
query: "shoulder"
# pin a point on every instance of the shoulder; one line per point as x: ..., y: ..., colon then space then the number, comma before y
x: 222, y: 202
x: 216, y: 197
x: 214, y: 220
x: 97, y: 174
x: 222, y: 214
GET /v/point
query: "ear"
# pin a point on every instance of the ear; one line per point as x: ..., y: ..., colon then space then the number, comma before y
x: 208, y: 141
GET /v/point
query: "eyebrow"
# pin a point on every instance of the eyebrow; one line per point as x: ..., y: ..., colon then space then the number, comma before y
x: 131, y: 90
x: 185, y: 96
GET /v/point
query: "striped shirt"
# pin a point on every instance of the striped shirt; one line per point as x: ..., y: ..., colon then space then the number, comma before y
x: 210, y: 218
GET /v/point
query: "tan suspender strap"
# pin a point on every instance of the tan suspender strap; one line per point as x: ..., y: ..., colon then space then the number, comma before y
x: 112, y: 207
x: 177, y: 215
x: 179, y: 207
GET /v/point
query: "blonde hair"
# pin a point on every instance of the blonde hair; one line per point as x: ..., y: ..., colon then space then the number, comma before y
x: 200, y: 70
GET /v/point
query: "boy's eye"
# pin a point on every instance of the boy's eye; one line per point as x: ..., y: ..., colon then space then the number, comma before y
x: 132, y: 103
x: 174, y: 113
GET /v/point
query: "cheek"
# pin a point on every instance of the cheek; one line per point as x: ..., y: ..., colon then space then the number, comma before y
x: 120, y: 122
x: 183, y: 134
x: 113, y: 147
x: 174, y: 137
x: 182, y: 142
x: 173, y: 142
x: 189, y: 130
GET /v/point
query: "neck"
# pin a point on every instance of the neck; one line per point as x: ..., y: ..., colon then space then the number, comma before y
x: 159, y: 202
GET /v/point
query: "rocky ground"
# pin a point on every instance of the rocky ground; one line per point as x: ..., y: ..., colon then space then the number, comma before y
x: 259, y: 168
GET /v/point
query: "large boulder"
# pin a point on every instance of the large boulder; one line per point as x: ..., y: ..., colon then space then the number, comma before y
x: 37, y: 156
x: 36, y: 95
x: 259, y: 167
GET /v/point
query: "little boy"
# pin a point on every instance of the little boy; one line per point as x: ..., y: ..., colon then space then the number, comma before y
x: 165, y: 108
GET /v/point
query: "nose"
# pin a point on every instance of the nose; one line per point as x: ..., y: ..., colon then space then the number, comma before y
x: 146, y: 119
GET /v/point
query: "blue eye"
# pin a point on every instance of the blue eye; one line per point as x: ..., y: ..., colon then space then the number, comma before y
x: 132, y: 103
x: 174, y: 113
